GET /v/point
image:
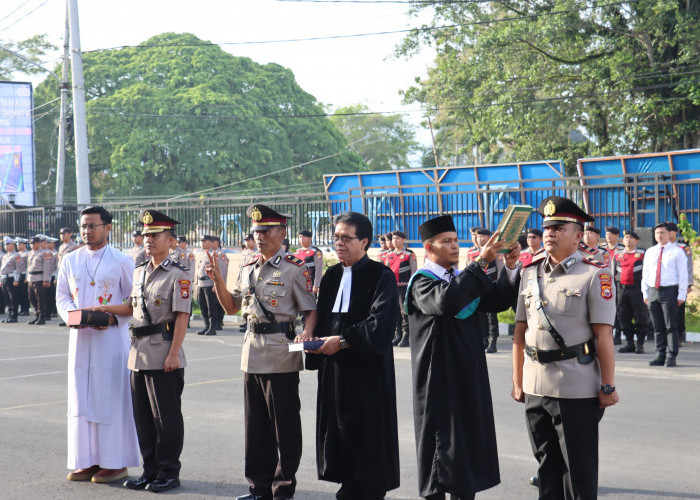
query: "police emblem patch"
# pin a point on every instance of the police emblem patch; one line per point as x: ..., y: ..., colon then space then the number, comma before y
x: 273, y: 302
x: 549, y: 208
x: 147, y: 218
x: 256, y: 215
x: 184, y: 288
x: 606, y: 286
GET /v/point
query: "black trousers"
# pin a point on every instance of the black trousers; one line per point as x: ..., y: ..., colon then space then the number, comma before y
x: 272, y: 433
x: 158, y: 416
x: 51, y: 299
x: 37, y: 298
x: 11, y: 295
x: 402, y: 318
x: 630, y: 305
x: 358, y: 491
x: 564, y: 439
x: 23, y: 294
x: 489, y: 326
x: 206, y: 299
x: 663, y: 307
x: 681, y: 322
x: 441, y: 496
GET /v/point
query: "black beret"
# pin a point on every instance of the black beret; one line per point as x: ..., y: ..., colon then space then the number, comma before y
x: 400, y: 234
x: 612, y: 230
x: 632, y: 234
x: 535, y: 231
x: 483, y: 231
x: 305, y: 232
x: 593, y: 229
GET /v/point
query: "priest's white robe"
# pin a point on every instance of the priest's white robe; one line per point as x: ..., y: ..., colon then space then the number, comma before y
x: 101, y: 429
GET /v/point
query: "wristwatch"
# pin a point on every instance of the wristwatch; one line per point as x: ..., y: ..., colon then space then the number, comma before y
x: 343, y: 343
x: 607, y: 388
x: 483, y: 263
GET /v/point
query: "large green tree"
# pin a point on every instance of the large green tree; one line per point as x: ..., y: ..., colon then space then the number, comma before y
x: 177, y: 114
x: 383, y: 141
x: 23, y: 57
x: 538, y: 79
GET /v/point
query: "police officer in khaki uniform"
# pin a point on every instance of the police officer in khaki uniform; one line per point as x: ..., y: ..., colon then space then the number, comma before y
x: 272, y: 290
x: 22, y: 269
x: 138, y: 253
x: 9, y: 273
x: 160, y: 303
x: 563, y: 354
x: 39, y: 269
x: 204, y: 284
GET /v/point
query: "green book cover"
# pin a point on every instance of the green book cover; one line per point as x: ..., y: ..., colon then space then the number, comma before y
x: 512, y: 224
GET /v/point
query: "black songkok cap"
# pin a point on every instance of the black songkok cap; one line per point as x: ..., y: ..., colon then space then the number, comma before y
x: 433, y: 227
x: 558, y: 210
x: 612, y: 230
x: 305, y: 232
x: 633, y: 235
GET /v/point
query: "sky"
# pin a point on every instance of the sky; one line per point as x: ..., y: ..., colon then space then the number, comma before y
x: 338, y: 72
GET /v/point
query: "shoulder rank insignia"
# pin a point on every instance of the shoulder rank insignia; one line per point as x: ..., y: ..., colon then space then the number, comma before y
x: 593, y: 262
x: 144, y: 263
x: 294, y: 260
x: 179, y: 266
x: 585, y: 248
x: 253, y: 260
x: 537, y: 260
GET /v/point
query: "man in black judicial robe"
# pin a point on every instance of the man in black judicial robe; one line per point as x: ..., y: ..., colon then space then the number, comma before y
x: 453, y: 413
x: 356, y: 423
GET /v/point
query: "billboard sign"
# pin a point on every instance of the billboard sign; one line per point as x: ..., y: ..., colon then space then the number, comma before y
x: 17, y: 142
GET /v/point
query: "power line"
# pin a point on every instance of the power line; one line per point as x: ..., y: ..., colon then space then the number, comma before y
x: 377, y: 33
x: 15, y: 10
x: 25, y: 16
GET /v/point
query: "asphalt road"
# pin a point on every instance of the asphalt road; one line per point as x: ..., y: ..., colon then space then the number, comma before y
x: 649, y: 445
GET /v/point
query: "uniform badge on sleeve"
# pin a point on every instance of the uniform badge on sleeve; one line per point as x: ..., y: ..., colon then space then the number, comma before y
x: 606, y: 286
x: 309, y: 284
x: 184, y: 289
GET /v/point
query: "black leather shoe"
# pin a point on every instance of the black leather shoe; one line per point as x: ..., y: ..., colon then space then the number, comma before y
x: 657, y: 362
x: 211, y: 331
x: 33, y: 322
x: 535, y: 481
x: 491, y: 347
x: 40, y: 322
x: 627, y: 348
x: 640, y: 349
x: 159, y: 485
x: 203, y: 330
x: 23, y: 313
x: 617, y: 340
x: 671, y: 362
x: 404, y: 341
x: 61, y: 324
x: 250, y: 496
x: 137, y: 484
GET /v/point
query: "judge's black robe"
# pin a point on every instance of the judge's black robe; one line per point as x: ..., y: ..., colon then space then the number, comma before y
x: 356, y: 424
x: 453, y: 413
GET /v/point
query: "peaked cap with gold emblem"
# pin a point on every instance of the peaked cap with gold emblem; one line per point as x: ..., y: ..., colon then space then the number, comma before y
x: 558, y: 210
x: 264, y: 218
x: 156, y: 222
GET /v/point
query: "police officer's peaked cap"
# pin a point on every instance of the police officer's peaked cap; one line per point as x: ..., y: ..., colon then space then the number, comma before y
x: 34, y: 239
x: 137, y: 233
x: 19, y: 239
x: 612, y: 230
x: 483, y: 231
x: 182, y: 239
x: 65, y: 230
x: 155, y: 222
x: 632, y: 234
x: 40, y: 237
x: 265, y: 218
x: 206, y: 237
x: 7, y: 240
x: 593, y: 229
x: 51, y: 239
x: 433, y: 227
x: 558, y: 210
x: 535, y: 231
x: 305, y: 232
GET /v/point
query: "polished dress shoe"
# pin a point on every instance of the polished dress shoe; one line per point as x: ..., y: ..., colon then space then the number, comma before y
x: 83, y: 474
x: 158, y: 485
x: 657, y: 362
x: 535, y: 481
x: 40, y: 322
x: 110, y: 475
x: 203, y: 331
x: 210, y: 331
x: 32, y: 322
x: 61, y: 324
x: 138, y: 484
x: 627, y: 348
x: 250, y: 496
x: 671, y: 361
x: 640, y: 349
x: 491, y: 348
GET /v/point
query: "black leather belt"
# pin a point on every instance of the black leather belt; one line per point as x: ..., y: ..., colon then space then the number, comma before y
x: 166, y: 329
x: 36, y: 272
x: 287, y: 327
x: 627, y: 287
x: 665, y: 287
x: 543, y: 356
x: 203, y: 278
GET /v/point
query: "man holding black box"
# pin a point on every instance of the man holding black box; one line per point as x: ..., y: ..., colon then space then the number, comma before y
x: 101, y: 433
x: 160, y: 303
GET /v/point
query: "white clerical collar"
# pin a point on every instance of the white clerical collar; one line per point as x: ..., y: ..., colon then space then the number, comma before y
x: 342, y: 300
x: 438, y: 270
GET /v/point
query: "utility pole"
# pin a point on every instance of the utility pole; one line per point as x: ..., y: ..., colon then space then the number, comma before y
x: 82, y: 167
x: 432, y: 136
x: 61, y: 165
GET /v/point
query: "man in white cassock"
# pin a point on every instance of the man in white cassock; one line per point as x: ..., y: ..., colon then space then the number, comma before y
x: 102, y: 439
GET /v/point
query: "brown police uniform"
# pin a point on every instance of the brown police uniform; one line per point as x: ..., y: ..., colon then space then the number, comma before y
x: 9, y: 273
x: 271, y: 295
x: 39, y: 269
x: 158, y: 294
x: 205, y: 296
x: 138, y: 254
x: 561, y: 372
x: 65, y: 249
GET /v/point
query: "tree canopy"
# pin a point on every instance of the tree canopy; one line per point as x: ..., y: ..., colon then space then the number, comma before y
x: 530, y: 80
x: 177, y: 114
x: 31, y: 50
x: 383, y: 142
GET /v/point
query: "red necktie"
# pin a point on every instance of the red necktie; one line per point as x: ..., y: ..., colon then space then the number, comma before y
x: 657, y: 284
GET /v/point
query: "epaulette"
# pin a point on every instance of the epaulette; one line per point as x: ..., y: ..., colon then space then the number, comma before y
x: 179, y: 266
x: 143, y: 263
x: 593, y: 262
x: 585, y: 248
x: 408, y: 250
x: 294, y: 260
x: 253, y: 261
x: 536, y: 261
x: 538, y: 252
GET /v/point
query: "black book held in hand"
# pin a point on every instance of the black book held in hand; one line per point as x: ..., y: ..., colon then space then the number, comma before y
x: 83, y: 317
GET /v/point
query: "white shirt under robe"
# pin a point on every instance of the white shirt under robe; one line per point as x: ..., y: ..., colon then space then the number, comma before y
x: 101, y: 428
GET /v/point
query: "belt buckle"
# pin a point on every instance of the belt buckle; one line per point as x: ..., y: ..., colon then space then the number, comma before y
x: 535, y: 357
